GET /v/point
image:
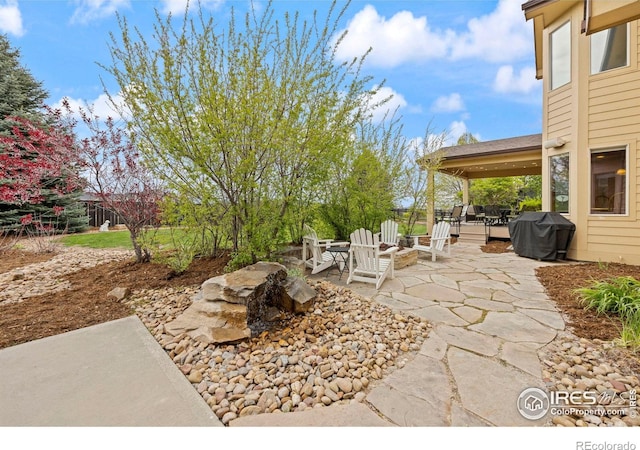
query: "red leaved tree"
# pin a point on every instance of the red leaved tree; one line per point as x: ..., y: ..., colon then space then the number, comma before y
x: 35, y: 157
x: 118, y: 177
x: 40, y: 166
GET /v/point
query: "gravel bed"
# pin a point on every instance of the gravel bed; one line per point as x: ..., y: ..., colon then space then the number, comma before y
x: 44, y: 277
x: 605, y: 372
x: 332, y: 355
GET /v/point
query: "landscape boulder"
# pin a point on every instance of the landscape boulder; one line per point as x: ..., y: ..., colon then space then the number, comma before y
x: 297, y: 296
x: 227, y: 305
x: 119, y: 293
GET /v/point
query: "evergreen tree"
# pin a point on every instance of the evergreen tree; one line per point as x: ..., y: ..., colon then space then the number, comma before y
x: 20, y: 93
x: 22, y: 97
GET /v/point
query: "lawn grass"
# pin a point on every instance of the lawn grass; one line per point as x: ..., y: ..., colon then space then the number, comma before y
x: 114, y: 239
x: 163, y: 237
x: 418, y: 229
x: 111, y: 239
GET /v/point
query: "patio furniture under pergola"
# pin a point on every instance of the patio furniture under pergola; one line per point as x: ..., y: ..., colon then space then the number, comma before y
x: 509, y: 157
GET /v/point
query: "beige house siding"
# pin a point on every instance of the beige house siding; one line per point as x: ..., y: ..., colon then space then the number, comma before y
x: 595, y: 112
x: 614, y: 121
x: 560, y: 120
x: 559, y: 116
x: 614, y: 105
x: 613, y: 241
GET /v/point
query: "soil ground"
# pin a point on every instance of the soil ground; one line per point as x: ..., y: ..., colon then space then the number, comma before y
x: 86, y: 303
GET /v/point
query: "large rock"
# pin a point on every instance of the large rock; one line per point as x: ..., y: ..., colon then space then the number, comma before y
x: 228, y: 304
x: 405, y: 257
x: 298, y: 296
x: 119, y: 293
x: 291, y: 262
x: 212, y: 322
x: 257, y: 286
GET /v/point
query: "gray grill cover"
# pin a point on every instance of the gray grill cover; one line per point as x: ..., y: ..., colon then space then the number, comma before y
x: 541, y: 235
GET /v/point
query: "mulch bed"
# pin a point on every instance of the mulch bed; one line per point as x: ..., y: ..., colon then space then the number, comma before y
x: 86, y: 303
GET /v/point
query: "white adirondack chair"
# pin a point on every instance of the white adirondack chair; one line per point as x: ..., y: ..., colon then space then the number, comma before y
x: 389, y: 233
x: 371, y: 264
x: 314, y: 251
x: 440, y: 236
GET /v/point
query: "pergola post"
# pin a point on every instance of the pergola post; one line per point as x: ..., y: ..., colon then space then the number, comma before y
x: 465, y: 191
x: 431, y: 199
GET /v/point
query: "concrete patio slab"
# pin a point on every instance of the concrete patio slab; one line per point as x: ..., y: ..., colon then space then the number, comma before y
x: 112, y: 374
x: 351, y: 415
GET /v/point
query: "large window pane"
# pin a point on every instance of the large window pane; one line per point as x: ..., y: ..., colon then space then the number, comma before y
x: 561, y: 56
x: 559, y: 168
x: 608, y: 182
x: 609, y: 49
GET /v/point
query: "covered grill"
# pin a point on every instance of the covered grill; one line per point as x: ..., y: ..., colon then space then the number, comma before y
x: 541, y: 235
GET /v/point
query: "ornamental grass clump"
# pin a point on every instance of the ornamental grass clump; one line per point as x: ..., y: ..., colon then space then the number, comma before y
x: 619, y: 296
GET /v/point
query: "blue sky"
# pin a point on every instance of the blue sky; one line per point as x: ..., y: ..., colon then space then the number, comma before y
x: 453, y: 65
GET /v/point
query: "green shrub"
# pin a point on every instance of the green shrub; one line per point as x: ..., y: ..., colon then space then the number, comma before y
x: 295, y: 273
x: 619, y: 296
x: 182, y: 248
x: 530, y: 204
x: 239, y: 259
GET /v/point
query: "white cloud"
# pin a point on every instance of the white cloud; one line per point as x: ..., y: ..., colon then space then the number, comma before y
x: 506, y: 81
x: 90, y: 10
x: 502, y: 35
x: 402, y: 38
x: 456, y: 129
x: 397, y: 101
x: 448, y: 104
x: 101, y: 106
x: 10, y: 18
x: 178, y: 7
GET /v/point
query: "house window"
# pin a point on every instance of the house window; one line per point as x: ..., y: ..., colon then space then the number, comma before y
x: 559, y: 168
x: 609, y: 181
x: 560, y: 43
x: 609, y: 49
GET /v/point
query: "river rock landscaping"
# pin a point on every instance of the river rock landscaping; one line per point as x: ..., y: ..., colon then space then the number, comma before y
x: 333, y: 354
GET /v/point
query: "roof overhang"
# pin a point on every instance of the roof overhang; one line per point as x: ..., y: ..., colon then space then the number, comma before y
x: 543, y: 13
x: 500, y: 158
x: 600, y: 15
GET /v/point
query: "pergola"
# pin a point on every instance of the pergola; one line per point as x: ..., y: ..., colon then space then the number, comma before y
x: 509, y: 157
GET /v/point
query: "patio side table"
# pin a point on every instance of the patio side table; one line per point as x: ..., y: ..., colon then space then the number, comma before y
x: 340, y: 255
